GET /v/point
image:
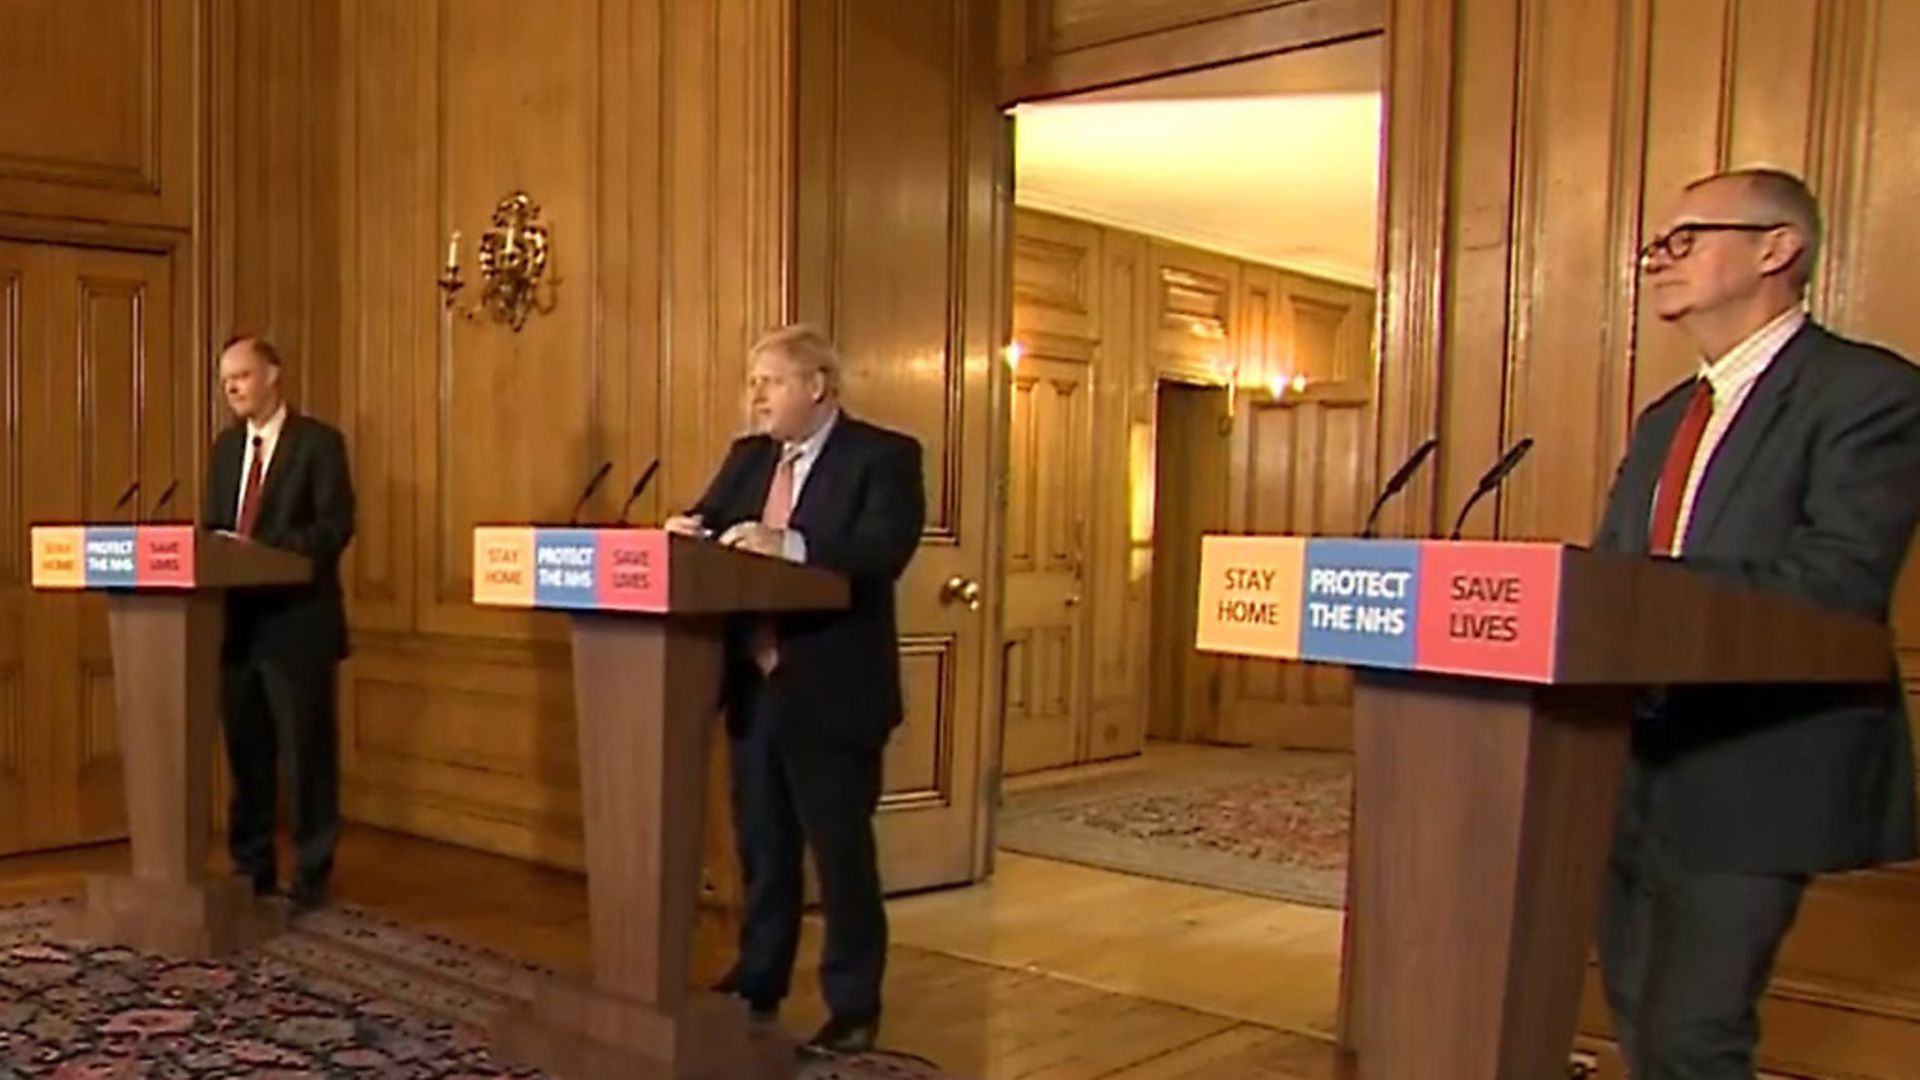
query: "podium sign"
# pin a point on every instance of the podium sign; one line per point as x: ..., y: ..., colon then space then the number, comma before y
x: 113, y: 556
x: 571, y: 569
x: 1464, y: 608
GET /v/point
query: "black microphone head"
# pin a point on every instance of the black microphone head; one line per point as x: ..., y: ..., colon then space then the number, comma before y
x: 640, y: 485
x: 166, y: 493
x: 1405, y: 473
x: 1506, y: 463
x: 646, y: 477
x: 586, y: 493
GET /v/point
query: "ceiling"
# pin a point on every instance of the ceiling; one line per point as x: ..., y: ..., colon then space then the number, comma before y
x: 1275, y: 160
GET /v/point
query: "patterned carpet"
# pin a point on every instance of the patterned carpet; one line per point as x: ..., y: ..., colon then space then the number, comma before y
x: 343, y: 994
x: 1270, y: 823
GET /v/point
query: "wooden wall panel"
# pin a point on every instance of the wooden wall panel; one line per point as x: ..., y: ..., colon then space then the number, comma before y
x: 1120, y: 541
x: 21, y: 344
x: 277, y: 262
x: 661, y: 184
x: 1052, y: 47
x: 509, y: 425
x: 1565, y: 131
x: 101, y: 122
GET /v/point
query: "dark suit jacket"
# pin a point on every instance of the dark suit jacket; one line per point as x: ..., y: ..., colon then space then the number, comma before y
x: 1814, y: 493
x: 861, y: 511
x: 307, y: 507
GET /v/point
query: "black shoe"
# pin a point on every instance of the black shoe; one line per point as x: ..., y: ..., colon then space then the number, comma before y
x: 308, y: 896
x: 842, y: 1036
x: 263, y: 885
x: 759, y: 1010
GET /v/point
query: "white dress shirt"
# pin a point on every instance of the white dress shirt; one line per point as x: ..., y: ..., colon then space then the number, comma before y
x: 1732, y: 378
x: 269, y: 436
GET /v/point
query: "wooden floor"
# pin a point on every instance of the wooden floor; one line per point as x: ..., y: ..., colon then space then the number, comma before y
x: 1049, y: 971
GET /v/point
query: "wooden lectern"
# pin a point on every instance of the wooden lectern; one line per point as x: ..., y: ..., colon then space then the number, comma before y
x: 1494, y: 684
x: 648, y: 611
x: 165, y: 587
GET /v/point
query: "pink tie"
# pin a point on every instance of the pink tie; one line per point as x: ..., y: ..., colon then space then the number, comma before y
x: 774, y: 515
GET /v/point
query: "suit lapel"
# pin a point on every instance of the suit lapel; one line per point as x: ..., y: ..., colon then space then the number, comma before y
x: 229, y: 457
x: 285, y: 453
x: 759, y: 479
x: 1741, y: 444
x: 1643, y: 477
x: 820, y: 476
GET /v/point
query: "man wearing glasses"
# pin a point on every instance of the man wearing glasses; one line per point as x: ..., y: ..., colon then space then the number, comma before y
x: 1790, y: 463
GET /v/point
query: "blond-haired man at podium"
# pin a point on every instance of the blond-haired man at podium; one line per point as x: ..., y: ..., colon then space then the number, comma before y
x: 281, y: 478
x: 1790, y: 463
x: 811, y: 698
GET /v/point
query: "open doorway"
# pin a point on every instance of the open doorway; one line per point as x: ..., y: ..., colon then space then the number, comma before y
x: 1207, y: 237
x: 1194, y: 294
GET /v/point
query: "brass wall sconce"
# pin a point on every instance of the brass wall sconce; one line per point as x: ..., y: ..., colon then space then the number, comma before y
x: 513, y: 265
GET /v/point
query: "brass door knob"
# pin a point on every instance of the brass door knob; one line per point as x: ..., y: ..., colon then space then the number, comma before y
x: 961, y: 590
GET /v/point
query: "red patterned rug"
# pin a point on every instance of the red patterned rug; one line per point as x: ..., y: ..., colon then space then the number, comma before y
x: 1270, y: 823
x: 344, y: 993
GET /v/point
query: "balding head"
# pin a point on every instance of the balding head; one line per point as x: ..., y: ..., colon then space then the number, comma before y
x: 1773, y: 195
x: 1736, y: 252
x: 250, y: 377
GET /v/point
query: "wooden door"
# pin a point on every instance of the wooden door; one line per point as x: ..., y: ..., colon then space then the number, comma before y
x: 903, y: 165
x: 1191, y: 456
x: 1048, y: 484
x: 23, y: 670
x: 99, y: 404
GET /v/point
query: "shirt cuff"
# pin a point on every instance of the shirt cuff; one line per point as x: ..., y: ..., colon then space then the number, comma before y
x: 793, y: 546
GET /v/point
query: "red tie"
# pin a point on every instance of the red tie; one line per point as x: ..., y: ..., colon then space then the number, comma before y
x: 1673, y: 477
x: 774, y: 514
x: 250, y: 502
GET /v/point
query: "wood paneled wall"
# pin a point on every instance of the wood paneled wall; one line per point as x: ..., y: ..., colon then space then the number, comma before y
x: 662, y: 181
x: 1532, y: 145
x: 706, y: 167
x: 1054, y: 47
x: 1103, y: 316
x: 101, y: 221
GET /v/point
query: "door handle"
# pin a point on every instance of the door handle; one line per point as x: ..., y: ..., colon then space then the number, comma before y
x: 1073, y: 600
x: 961, y: 590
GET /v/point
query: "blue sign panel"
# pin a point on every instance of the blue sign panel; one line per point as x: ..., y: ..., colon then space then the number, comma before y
x: 563, y: 568
x: 1358, y: 602
x: 110, y: 554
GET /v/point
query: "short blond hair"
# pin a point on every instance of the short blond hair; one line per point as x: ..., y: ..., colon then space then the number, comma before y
x: 806, y: 346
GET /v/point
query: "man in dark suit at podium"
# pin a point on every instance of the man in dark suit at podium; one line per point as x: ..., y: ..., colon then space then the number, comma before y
x: 811, y: 698
x: 281, y: 479
x: 1792, y: 464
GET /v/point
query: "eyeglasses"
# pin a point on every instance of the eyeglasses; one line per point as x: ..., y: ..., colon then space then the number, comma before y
x: 1676, y: 243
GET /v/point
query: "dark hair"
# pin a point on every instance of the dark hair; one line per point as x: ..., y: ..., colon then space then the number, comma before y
x: 259, y: 345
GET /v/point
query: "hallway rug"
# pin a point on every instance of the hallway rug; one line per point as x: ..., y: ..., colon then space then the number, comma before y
x: 1270, y: 823
x: 344, y: 993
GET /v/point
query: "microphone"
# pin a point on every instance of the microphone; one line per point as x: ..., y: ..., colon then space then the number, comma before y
x: 587, y: 493
x: 639, y: 486
x: 1399, y: 480
x: 165, y: 494
x: 127, y: 495
x: 1492, y: 480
